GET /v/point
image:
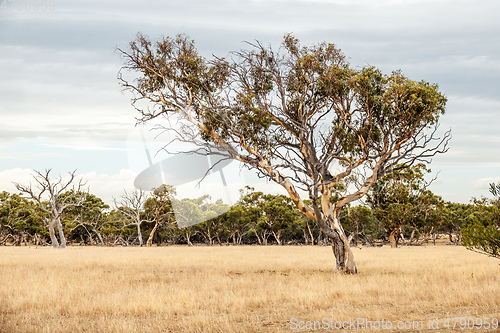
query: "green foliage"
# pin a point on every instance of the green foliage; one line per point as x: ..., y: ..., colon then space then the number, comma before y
x: 85, y: 220
x: 486, y: 238
x: 401, y: 198
x: 482, y: 225
x: 213, y: 229
x: 266, y: 215
x: 158, y: 210
x: 360, y: 221
x: 262, y: 99
x: 262, y: 218
x: 495, y: 189
x: 19, y: 219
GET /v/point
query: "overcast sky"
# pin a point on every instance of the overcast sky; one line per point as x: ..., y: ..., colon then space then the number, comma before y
x: 62, y: 108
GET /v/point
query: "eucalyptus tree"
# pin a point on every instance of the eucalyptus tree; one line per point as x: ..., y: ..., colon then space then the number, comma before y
x: 269, y: 214
x: 403, y: 198
x: 188, y: 210
x: 482, y: 229
x: 19, y: 220
x: 214, y: 227
x: 235, y: 224
x: 300, y: 116
x: 88, y: 220
x: 48, y: 194
x: 159, y: 208
x: 362, y: 224
x: 251, y: 203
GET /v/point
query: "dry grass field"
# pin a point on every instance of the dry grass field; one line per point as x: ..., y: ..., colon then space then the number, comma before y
x: 240, y: 289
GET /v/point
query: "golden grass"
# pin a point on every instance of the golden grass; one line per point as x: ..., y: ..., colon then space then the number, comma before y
x: 237, y: 289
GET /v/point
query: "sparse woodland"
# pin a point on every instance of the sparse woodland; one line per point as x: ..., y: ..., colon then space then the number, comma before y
x: 299, y: 116
x: 400, y: 210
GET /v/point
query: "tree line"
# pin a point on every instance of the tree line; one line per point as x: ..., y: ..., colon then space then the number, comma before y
x: 399, y: 210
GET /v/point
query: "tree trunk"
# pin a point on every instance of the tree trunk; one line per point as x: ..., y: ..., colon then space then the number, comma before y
x: 52, y: 232
x: 139, y: 234
x: 210, y: 237
x: 353, y: 238
x: 343, y: 257
x: 4, y: 241
x: 341, y: 249
x: 277, y: 236
x: 36, y: 239
x: 310, y: 232
x: 61, y: 233
x: 99, y: 236
x: 402, y: 236
x: 392, y: 238
x: 187, y: 235
x: 257, y: 235
x: 152, y: 234
x: 412, y: 235
x: 265, y: 237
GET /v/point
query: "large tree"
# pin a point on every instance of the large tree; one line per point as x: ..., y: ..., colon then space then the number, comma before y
x: 299, y: 116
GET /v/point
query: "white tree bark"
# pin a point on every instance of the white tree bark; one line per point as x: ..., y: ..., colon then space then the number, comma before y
x: 48, y: 194
x: 131, y: 206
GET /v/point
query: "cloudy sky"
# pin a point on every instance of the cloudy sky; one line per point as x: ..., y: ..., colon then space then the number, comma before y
x: 61, y: 106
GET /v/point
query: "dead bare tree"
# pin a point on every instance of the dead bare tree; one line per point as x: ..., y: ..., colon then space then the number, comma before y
x: 48, y: 194
x: 131, y: 205
x: 299, y: 116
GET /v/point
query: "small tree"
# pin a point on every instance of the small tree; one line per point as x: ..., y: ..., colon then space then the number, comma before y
x: 48, y: 194
x: 158, y: 208
x: 299, y: 116
x: 402, y: 198
x: 362, y: 224
x: 235, y: 223
x: 483, y: 229
x: 86, y: 220
x: 457, y: 215
x: 213, y: 227
x: 131, y: 205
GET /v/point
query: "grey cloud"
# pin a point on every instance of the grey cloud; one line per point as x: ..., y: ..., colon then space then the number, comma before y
x: 69, y: 133
x: 58, y: 69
